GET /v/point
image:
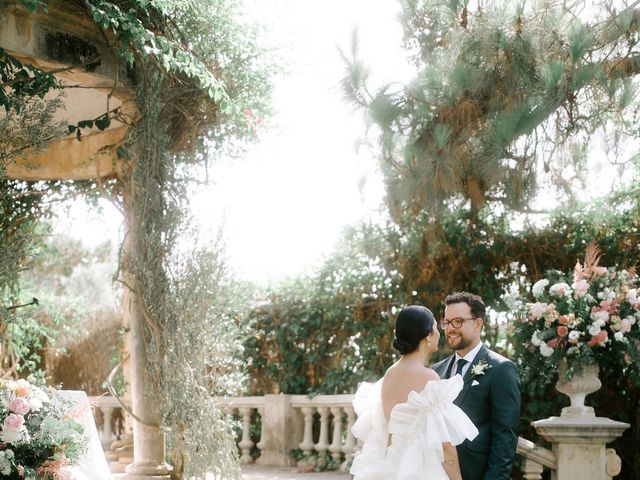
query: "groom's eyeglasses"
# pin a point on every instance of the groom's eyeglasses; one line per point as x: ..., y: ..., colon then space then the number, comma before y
x: 454, y: 322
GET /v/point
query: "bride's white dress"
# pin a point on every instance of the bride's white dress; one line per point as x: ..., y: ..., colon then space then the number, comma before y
x: 418, y: 428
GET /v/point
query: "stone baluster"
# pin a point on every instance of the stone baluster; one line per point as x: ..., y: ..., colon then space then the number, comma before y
x: 106, y: 433
x: 245, y: 443
x: 350, y: 443
x: 307, y: 441
x: 323, y: 442
x: 261, y: 443
x: 336, y: 441
x: 531, y: 470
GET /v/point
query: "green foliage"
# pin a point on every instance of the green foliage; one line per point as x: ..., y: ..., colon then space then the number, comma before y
x: 33, y: 5
x: 27, y: 122
x: 22, y: 82
x: 135, y: 36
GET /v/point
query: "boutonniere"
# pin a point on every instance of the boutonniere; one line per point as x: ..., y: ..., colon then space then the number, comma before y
x: 480, y: 368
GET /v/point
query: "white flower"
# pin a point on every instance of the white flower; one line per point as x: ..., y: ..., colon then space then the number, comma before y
x: 37, y: 399
x: 619, y: 336
x: 538, y: 309
x: 480, y: 368
x: 14, y: 437
x: 535, y: 338
x: 538, y: 287
x: 560, y: 289
x: 574, y: 335
x: 589, y: 298
x: 545, y: 350
x: 594, y: 329
x: 580, y: 288
x: 600, y: 316
x: 632, y: 296
x: 5, y: 464
x: 600, y: 295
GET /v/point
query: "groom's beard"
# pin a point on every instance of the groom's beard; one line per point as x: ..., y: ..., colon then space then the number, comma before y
x: 458, y: 342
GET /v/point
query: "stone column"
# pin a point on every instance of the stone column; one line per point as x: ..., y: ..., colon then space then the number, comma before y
x: 579, y: 443
x: 148, y: 441
x: 278, y: 425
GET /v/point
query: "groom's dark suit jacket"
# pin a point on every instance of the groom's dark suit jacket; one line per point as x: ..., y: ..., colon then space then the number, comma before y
x: 492, y: 402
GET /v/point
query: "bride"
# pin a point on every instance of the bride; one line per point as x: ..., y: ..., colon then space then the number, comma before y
x: 407, y: 421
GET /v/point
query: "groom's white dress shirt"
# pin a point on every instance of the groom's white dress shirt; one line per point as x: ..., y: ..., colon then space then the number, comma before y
x: 469, y: 357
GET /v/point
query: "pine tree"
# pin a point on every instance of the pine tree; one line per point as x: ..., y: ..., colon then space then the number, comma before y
x: 507, y: 94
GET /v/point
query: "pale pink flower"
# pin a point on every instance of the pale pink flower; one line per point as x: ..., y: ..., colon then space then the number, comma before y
x: 599, y: 315
x: 20, y: 469
x: 538, y: 309
x: 19, y: 405
x: 625, y: 325
x: 14, y: 422
x: 580, y: 288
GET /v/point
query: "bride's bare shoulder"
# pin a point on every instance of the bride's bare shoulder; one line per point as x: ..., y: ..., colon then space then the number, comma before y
x: 431, y: 374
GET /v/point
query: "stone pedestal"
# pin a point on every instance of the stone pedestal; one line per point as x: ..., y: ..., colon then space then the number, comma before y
x: 279, y: 429
x: 579, y: 443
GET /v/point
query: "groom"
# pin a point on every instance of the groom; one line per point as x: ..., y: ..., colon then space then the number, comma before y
x: 491, y: 392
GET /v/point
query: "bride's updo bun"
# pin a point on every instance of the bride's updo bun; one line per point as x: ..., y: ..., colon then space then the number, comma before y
x: 413, y: 323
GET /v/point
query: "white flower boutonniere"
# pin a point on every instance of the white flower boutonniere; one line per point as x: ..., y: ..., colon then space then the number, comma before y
x: 480, y: 368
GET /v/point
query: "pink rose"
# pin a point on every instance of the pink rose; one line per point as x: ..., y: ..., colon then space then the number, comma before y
x: 600, y: 339
x: 14, y: 422
x: 19, y: 405
x: 556, y: 342
x: 563, y: 320
x: 603, y: 336
x: 562, y: 331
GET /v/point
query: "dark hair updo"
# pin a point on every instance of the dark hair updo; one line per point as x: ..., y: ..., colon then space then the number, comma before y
x: 413, y: 323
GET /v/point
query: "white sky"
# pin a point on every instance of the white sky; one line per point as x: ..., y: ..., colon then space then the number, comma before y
x: 285, y: 205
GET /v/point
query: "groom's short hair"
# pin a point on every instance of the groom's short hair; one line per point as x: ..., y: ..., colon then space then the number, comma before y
x: 474, y: 301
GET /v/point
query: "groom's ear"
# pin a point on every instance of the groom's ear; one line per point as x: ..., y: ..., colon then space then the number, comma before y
x: 479, y: 321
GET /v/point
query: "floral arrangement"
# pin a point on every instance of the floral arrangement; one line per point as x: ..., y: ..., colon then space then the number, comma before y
x: 589, y: 316
x: 39, y: 437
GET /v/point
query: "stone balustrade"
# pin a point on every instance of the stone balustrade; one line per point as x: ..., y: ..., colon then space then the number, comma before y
x: 109, y: 419
x: 321, y: 425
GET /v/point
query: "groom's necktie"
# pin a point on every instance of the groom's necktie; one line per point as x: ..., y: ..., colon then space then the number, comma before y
x: 461, y: 363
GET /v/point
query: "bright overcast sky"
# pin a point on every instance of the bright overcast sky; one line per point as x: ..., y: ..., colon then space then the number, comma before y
x: 286, y: 203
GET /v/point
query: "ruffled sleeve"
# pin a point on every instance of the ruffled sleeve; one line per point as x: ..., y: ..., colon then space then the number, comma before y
x: 424, y: 422
x: 371, y: 429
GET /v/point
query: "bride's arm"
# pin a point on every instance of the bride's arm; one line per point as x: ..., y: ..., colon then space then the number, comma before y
x: 450, y: 462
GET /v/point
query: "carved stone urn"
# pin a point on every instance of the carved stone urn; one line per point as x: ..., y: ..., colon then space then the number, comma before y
x: 583, y: 381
